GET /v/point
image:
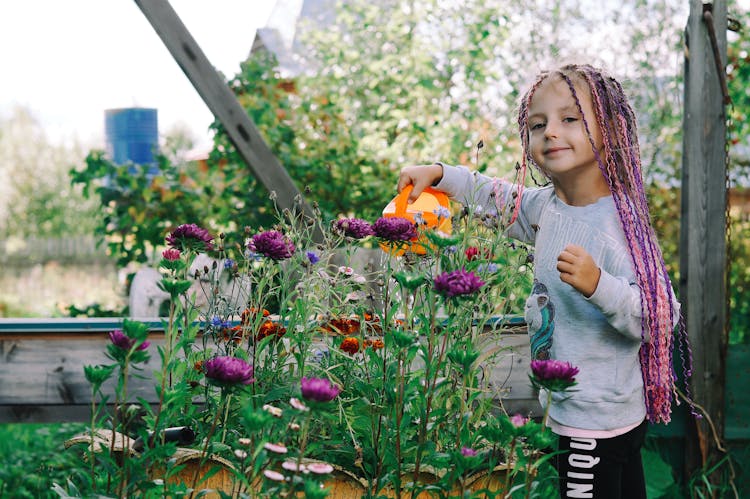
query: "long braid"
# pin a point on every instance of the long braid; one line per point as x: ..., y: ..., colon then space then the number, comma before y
x: 621, y: 167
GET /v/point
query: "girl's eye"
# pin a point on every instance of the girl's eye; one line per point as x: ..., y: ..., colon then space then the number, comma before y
x: 536, y: 126
x: 570, y: 119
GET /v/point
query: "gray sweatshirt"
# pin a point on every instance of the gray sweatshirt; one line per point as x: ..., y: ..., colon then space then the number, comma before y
x: 600, y: 335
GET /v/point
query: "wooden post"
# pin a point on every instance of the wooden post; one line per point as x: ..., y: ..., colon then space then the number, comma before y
x: 703, y: 226
x: 224, y: 105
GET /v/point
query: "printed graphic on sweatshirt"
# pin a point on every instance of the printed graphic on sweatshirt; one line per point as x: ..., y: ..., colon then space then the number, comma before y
x: 540, y: 317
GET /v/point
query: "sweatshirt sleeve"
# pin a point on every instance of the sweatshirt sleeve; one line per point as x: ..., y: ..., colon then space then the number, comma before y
x: 620, y: 302
x: 473, y: 189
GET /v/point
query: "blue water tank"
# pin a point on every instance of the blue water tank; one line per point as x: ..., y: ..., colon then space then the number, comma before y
x: 132, y: 135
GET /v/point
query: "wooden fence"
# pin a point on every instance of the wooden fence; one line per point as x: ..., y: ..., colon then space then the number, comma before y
x: 42, y: 379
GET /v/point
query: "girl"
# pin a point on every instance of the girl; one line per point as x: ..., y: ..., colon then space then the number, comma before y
x: 598, y: 266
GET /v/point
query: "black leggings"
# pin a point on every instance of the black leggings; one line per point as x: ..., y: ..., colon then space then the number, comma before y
x: 605, y: 468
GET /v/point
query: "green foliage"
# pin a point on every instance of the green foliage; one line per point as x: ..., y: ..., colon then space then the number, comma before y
x: 32, y: 458
x: 36, y: 198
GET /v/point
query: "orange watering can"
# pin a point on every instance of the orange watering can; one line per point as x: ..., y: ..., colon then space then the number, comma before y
x: 427, y: 204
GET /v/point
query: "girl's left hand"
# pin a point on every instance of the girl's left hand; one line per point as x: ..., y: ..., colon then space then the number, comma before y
x: 578, y: 269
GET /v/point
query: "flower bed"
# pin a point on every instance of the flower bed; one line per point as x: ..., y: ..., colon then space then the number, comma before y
x: 376, y: 373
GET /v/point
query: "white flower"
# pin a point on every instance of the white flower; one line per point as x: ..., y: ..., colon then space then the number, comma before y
x: 275, y: 411
x: 297, y: 404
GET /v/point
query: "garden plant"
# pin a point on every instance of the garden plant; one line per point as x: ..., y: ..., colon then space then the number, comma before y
x: 379, y: 374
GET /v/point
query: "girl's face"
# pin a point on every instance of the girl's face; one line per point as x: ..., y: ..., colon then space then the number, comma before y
x: 558, y: 142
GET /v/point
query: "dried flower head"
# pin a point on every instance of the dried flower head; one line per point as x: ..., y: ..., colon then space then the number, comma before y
x: 227, y: 370
x: 272, y: 244
x: 318, y: 389
x: 394, y: 229
x: 458, y: 283
x: 188, y: 237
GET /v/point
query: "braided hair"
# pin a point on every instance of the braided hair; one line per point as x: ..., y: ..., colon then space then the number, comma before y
x: 620, y: 164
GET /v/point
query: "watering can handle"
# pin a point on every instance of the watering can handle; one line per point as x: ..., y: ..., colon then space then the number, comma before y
x: 402, y: 200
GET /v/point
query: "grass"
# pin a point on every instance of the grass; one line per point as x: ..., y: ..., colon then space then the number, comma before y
x: 33, y: 457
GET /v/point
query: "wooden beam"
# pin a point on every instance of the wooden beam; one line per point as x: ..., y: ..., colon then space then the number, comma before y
x: 224, y: 105
x: 703, y: 225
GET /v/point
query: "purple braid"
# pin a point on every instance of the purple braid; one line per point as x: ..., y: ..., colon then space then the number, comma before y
x: 621, y: 167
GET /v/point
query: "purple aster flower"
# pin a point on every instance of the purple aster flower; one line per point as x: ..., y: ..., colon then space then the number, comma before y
x: 229, y: 370
x: 554, y: 375
x: 228, y: 263
x: 190, y: 237
x: 394, y: 229
x: 468, y: 452
x: 319, y: 389
x: 457, y: 283
x: 125, y: 342
x: 272, y: 244
x: 312, y: 257
x: 171, y: 254
x: 355, y: 228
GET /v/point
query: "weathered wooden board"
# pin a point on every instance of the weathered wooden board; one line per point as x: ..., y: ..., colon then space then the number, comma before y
x: 42, y: 379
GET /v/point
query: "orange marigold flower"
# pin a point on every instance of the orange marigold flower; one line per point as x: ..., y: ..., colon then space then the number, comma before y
x: 249, y: 313
x: 376, y: 344
x: 234, y: 334
x: 198, y: 366
x: 270, y: 328
x: 350, y: 345
x: 342, y: 326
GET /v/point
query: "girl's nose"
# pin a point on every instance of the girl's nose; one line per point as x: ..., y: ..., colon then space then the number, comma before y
x: 550, y: 131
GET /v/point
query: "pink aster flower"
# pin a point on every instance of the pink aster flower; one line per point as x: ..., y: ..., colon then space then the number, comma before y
x: 275, y: 448
x: 229, y: 370
x: 354, y: 228
x: 554, y: 375
x: 457, y: 283
x: 190, y: 237
x: 394, y: 229
x: 319, y: 468
x: 518, y: 420
x: 125, y: 342
x: 171, y: 254
x: 319, y: 389
x: 274, y: 475
x: 272, y: 244
x: 468, y: 452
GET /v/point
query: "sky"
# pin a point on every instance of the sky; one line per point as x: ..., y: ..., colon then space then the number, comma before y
x: 69, y: 61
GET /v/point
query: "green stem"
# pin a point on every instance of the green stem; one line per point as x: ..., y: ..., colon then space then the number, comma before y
x: 204, y: 453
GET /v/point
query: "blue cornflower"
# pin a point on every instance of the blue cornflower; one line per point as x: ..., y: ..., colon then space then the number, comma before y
x: 312, y: 257
x: 442, y: 212
x: 228, y: 263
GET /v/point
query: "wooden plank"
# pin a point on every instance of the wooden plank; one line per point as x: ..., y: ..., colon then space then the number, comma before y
x: 703, y: 239
x: 219, y: 98
x: 42, y: 379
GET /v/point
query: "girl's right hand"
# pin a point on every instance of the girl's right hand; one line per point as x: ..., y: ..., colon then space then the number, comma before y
x: 420, y: 176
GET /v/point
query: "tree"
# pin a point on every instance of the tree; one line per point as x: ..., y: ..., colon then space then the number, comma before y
x: 37, y: 199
